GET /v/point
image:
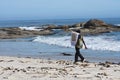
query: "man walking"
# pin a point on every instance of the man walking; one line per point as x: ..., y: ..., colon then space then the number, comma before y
x: 78, y: 46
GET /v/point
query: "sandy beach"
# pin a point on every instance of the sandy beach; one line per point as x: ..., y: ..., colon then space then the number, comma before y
x: 41, y: 39
x: 15, y: 68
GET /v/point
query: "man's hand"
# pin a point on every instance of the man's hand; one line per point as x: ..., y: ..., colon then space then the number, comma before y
x: 86, y: 47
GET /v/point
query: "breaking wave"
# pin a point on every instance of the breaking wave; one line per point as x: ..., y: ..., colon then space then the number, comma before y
x: 110, y: 41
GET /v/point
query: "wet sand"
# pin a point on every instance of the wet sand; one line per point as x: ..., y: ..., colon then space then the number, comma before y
x: 14, y: 68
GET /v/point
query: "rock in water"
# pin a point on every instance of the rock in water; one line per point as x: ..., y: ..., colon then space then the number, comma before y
x: 66, y: 54
x: 95, y: 23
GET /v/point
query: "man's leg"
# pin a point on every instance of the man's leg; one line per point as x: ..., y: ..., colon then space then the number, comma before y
x: 81, y: 56
x: 76, y: 54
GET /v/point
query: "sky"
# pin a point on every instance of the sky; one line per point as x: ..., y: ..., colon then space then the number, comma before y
x: 58, y: 9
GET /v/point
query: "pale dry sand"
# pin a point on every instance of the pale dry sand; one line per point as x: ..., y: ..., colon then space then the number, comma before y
x: 13, y: 68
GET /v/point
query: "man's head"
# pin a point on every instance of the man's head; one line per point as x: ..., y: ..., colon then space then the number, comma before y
x: 78, y: 31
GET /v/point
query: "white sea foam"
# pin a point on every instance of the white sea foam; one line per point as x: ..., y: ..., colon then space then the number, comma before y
x: 102, y: 43
x: 117, y: 24
x: 60, y: 41
x: 30, y: 28
x: 92, y: 42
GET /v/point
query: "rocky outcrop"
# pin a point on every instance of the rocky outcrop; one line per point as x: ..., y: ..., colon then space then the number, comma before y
x: 6, y: 33
x: 93, y: 23
x: 79, y: 24
x: 93, y: 26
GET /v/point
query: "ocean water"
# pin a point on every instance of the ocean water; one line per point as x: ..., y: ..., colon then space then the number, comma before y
x: 104, y: 47
x: 39, y: 23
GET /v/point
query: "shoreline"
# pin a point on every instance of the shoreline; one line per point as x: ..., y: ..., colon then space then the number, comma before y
x: 26, y: 47
x: 14, y: 68
x: 69, y: 57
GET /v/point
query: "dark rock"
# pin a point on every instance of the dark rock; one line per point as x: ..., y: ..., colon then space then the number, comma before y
x: 107, y: 65
x: 95, y: 23
x: 107, y: 62
x: 6, y: 33
x: 7, y: 68
x: 91, y: 27
x: 23, y: 70
x: 104, y: 74
x: 119, y: 63
x: 79, y: 24
x: 1, y: 60
x: 66, y: 54
x: 28, y: 57
x: 50, y: 27
x: 64, y: 27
